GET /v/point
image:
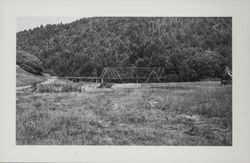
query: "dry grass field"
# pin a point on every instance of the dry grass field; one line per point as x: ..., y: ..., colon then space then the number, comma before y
x: 198, y: 113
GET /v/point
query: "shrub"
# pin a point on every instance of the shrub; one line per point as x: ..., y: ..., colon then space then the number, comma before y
x: 56, y: 88
x: 34, y: 86
x: 172, y: 78
x: 71, y: 88
x: 105, y: 85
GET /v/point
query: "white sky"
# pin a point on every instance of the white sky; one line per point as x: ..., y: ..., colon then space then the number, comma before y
x: 25, y: 23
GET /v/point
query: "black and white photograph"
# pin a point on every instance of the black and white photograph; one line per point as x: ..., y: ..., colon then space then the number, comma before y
x: 113, y: 81
x: 129, y: 80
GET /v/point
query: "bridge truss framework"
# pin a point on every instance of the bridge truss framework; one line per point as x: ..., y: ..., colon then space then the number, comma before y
x: 125, y: 74
x: 132, y: 73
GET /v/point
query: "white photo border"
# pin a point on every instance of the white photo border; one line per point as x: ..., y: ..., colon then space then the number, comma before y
x: 239, y: 10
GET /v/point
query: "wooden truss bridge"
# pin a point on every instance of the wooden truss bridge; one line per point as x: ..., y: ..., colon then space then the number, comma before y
x: 132, y: 73
x: 125, y: 74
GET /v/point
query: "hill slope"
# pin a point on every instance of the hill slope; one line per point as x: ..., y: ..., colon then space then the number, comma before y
x: 24, y: 78
x: 190, y: 48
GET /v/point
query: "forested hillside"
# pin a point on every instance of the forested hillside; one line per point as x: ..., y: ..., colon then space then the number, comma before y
x: 190, y: 48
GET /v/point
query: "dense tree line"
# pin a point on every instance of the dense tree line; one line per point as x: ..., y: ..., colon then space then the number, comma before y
x: 189, y: 48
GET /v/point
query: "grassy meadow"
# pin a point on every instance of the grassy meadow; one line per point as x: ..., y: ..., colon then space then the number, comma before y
x: 198, y: 113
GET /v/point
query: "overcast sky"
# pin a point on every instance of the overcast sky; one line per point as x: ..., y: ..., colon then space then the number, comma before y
x: 25, y: 23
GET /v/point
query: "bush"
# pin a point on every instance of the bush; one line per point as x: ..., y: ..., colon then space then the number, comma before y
x: 56, y: 88
x: 105, y: 85
x: 172, y: 78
